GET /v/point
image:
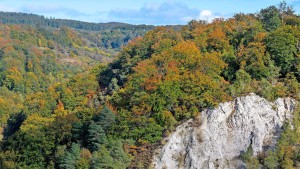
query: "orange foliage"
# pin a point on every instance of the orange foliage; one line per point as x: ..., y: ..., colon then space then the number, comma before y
x: 8, y: 49
x: 60, y: 109
x: 147, y: 75
x: 37, y: 51
x: 217, y: 39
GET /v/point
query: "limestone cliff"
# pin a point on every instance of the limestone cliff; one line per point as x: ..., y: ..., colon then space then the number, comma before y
x: 220, y: 135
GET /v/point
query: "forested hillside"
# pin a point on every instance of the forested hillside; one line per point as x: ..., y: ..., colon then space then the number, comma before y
x: 32, y: 19
x: 59, y: 110
x: 111, y: 35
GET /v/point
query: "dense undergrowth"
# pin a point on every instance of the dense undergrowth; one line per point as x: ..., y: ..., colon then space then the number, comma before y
x: 113, y: 115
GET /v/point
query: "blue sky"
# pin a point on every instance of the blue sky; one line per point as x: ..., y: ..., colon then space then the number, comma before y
x: 157, y: 12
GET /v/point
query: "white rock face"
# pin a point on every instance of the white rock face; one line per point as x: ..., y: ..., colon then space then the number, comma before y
x: 222, y: 134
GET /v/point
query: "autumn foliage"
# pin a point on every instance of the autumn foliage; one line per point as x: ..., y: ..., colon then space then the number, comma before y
x: 61, y: 108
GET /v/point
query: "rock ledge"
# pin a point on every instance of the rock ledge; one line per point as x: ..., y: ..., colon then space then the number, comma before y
x: 220, y: 135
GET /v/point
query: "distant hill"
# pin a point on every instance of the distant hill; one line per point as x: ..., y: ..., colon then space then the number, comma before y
x: 38, y: 20
x: 110, y: 35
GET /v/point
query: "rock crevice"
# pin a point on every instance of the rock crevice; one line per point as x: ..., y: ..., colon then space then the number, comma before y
x: 224, y: 133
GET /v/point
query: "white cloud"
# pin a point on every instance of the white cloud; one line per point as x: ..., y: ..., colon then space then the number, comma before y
x: 207, y: 15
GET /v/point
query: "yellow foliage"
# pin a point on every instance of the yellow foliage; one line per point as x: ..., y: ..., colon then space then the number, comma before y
x: 60, y: 109
x: 35, y: 123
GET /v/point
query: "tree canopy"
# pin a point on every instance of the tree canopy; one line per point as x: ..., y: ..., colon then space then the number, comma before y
x: 66, y: 100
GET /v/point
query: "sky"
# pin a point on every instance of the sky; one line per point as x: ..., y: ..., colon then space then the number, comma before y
x: 155, y: 12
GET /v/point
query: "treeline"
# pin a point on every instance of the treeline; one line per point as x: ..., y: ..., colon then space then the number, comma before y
x: 110, y: 35
x: 37, y: 20
x: 114, y: 115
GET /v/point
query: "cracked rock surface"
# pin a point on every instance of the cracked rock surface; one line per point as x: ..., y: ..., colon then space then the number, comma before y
x: 220, y: 135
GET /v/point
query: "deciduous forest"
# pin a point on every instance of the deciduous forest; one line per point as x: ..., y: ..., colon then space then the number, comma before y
x: 80, y: 95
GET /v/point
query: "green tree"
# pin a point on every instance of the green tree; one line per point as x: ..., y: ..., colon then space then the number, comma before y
x: 34, y: 143
x: 79, y: 131
x: 271, y: 161
x: 250, y: 161
x: 102, y: 159
x: 68, y: 161
x: 62, y: 127
x: 85, y: 159
x: 242, y: 82
x: 270, y: 17
x: 121, y: 159
x: 282, y: 46
x: 14, y: 123
x: 106, y: 118
x: 95, y: 137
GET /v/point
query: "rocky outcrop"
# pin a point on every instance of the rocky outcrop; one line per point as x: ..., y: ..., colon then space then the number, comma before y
x: 220, y: 135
